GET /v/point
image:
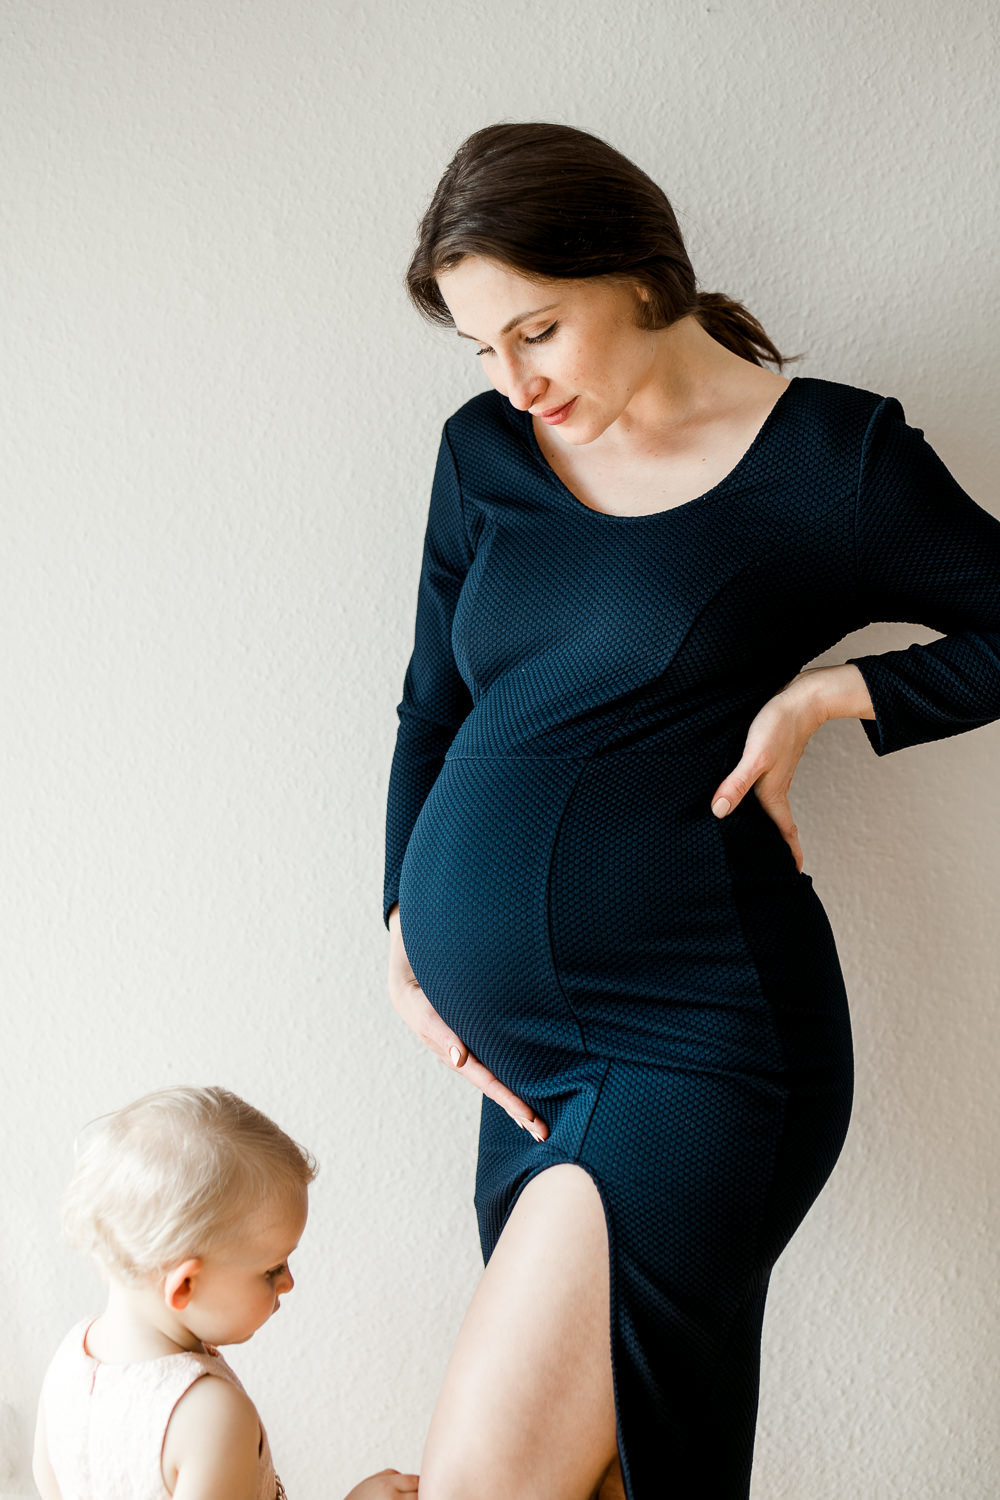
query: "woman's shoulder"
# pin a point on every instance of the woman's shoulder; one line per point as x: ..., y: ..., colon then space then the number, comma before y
x: 490, y: 444
x: 485, y: 419
x: 832, y: 420
x: 835, y: 402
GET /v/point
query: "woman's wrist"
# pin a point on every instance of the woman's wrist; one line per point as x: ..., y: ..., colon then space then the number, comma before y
x: 835, y: 692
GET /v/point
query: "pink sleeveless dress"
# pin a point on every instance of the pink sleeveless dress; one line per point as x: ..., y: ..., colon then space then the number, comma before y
x: 105, y: 1424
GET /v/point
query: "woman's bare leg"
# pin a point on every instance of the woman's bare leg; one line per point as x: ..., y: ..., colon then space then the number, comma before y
x: 613, y: 1485
x: 527, y: 1404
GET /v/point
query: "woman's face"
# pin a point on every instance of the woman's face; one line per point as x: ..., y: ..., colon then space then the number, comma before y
x: 567, y: 351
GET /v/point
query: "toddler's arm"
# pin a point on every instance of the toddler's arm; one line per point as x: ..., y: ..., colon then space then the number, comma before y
x: 384, y: 1485
x: 212, y: 1443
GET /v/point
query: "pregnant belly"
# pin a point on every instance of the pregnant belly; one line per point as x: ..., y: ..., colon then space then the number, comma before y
x: 559, y: 912
x: 473, y: 910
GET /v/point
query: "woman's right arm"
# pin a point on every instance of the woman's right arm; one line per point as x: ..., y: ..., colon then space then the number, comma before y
x: 435, y: 697
x: 435, y: 702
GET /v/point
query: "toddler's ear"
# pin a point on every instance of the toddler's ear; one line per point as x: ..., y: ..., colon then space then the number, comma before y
x: 178, y: 1284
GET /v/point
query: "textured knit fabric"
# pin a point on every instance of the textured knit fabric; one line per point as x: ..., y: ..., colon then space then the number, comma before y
x: 105, y: 1424
x: 662, y: 986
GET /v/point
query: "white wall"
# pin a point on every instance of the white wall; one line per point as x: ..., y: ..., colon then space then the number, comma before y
x: 219, y: 418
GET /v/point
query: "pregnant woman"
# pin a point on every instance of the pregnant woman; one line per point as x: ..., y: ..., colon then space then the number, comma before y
x: 594, y: 886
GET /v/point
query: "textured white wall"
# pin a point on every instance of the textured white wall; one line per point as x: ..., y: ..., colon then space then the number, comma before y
x: 219, y: 418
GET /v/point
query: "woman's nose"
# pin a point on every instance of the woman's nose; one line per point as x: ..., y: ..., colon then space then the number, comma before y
x: 523, y: 387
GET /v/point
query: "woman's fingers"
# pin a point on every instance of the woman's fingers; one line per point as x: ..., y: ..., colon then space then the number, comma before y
x: 413, y: 1006
x: 774, y: 746
x: 453, y: 1051
x: 436, y: 1034
x: 450, y: 1049
x: 772, y: 798
x: 457, y: 1051
x: 730, y: 793
x: 779, y: 809
x: 488, y: 1083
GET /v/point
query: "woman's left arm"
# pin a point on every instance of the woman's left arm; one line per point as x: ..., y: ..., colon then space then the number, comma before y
x: 779, y: 733
x: 925, y: 553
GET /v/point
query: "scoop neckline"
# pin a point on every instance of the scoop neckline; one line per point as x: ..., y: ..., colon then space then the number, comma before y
x: 669, y: 510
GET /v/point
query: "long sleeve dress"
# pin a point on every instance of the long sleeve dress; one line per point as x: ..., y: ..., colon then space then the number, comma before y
x: 662, y: 986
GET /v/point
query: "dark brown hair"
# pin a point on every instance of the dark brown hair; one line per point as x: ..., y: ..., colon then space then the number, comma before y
x: 550, y: 201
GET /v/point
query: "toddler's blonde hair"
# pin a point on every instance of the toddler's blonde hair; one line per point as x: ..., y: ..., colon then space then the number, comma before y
x: 172, y: 1175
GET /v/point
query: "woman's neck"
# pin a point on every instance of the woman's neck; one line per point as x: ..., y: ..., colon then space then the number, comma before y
x: 691, y: 379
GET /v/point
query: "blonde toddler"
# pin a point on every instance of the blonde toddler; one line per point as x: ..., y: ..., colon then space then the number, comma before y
x: 192, y: 1202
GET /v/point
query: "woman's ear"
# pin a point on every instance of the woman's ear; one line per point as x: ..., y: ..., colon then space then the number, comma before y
x: 178, y: 1284
x: 642, y: 304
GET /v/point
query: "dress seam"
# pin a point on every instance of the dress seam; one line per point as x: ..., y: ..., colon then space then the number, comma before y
x: 461, y: 497
x: 593, y: 1108
x: 755, y: 562
x: 549, y: 937
x: 466, y: 755
x: 748, y: 946
x: 720, y: 1367
x: 860, y: 585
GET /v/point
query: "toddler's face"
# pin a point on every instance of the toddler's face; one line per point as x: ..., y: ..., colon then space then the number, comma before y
x: 238, y: 1286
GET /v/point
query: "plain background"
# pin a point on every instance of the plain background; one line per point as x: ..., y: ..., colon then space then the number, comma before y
x: 218, y: 418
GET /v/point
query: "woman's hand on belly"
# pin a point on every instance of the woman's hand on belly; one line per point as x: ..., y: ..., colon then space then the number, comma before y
x: 423, y: 1020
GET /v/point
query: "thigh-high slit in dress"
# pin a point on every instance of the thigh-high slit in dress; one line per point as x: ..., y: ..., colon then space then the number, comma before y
x: 662, y: 986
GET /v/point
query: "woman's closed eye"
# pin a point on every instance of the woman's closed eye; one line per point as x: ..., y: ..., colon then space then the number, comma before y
x: 277, y: 1270
x: 539, y: 338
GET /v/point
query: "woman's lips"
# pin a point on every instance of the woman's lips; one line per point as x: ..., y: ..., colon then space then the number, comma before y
x: 557, y: 414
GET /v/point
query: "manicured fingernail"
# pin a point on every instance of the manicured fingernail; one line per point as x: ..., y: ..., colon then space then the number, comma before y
x: 455, y: 1055
x: 720, y: 807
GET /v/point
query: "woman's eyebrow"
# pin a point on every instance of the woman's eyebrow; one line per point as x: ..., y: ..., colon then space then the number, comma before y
x: 507, y: 327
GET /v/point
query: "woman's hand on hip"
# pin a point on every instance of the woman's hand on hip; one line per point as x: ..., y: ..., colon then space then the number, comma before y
x: 775, y: 741
x: 423, y: 1020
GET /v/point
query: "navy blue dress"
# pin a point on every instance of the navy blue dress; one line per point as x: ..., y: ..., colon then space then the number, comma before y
x: 662, y: 986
